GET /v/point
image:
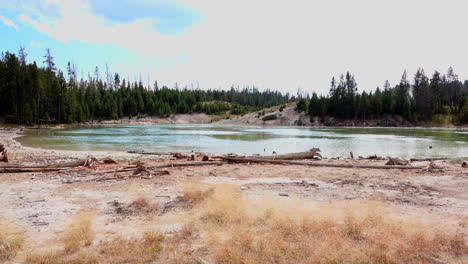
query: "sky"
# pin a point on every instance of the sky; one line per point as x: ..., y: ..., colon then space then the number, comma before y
x: 279, y: 45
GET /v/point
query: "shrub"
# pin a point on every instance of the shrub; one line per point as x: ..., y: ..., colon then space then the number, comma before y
x: 269, y: 117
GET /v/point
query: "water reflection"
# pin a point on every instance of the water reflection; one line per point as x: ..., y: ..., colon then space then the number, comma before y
x: 251, y: 139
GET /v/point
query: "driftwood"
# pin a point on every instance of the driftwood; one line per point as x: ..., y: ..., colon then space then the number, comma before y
x: 372, y: 157
x: 398, y: 161
x: 185, y: 164
x: 161, y: 166
x: 179, y: 156
x: 318, y: 164
x: 17, y: 168
x: 142, y: 152
x: 109, y: 160
x: 427, y: 159
x: 3, y: 153
x: 313, y: 153
x: 21, y: 170
x: 4, y: 156
x: 434, y: 167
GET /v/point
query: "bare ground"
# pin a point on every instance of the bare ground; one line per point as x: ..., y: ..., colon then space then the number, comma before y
x: 42, y: 203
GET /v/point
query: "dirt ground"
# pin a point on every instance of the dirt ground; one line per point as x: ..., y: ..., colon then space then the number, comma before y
x: 42, y: 203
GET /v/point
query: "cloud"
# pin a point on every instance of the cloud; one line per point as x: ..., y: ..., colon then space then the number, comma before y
x: 281, y: 45
x: 9, y: 22
x: 168, y: 16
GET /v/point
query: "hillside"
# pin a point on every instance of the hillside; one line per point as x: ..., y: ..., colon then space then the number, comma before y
x: 290, y: 117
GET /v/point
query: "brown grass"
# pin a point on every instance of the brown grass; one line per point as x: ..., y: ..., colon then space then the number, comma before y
x: 194, y: 194
x: 354, y: 232
x: 78, y: 233
x: 11, y: 240
x: 115, y: 251
x: 142, y: 205
x: 60, y: 257
x: 225, y: 227
x: 134, y: 251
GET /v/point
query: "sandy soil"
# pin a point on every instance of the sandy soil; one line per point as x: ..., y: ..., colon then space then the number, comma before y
x: 42, y: 203
x: 173, y: 119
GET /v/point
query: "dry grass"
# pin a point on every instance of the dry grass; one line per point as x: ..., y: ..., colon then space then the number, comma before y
x: 86, y: 256
x: 115, y: 251
x: 141, y: 202
x: 78, y: 235
x: 142, y: 205
x: 225, y: 227
x: 354, y: 232
x: 195, y: 193
x: 79, y: 232
x: 133, y: 251
x: 11, y: 240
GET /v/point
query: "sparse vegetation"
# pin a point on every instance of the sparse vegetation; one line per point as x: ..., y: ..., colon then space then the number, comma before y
x: 194, y: 194
x: 237, y: 230
x: 11, y: 240
x: 79, y: 233
x: 140, y: 250
x: 269, y: 117
x: 355, y: 232
x: 75, y: 238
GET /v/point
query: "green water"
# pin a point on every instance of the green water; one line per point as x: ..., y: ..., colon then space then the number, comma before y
x: 254, y: 140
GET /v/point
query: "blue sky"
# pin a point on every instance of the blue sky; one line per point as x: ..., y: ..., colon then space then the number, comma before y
x: 167, y: 17
x: 281, y: 45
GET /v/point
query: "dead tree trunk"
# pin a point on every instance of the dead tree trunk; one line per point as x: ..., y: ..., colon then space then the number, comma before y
x: 318, y: 164
x: 293, y: 156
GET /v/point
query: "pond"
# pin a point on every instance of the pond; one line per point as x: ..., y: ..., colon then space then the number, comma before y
x: 222, y: 139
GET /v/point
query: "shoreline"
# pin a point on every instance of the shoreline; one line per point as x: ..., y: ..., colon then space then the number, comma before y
x: 124, y: 205
x: 18, y: 151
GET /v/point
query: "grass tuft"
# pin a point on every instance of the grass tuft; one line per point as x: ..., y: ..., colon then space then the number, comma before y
x: 134, y: 250
x: 79, y: 233
x: 11, y: 241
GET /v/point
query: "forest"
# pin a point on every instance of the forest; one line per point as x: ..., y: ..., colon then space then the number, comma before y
x: 439, y: 99
x: 30, y: 94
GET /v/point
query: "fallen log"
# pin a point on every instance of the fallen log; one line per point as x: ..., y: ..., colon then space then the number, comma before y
x: 428, y: 159
x: 89, y: 161
x: 4, y: 155
x: 21, y: 170
x: 109, y: 160
x: 434, y: 167
x: 398, y: 161
x: 179, y: 156
x: 372, y: 157
x: 314, y: 152
x: 165, y: 165
x: 186, y: 164
x: 319, y: 164
x: 142, y: 152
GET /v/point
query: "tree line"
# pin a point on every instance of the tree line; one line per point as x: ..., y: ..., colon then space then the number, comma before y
x: 438, y: 97
x: 30, y: 94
